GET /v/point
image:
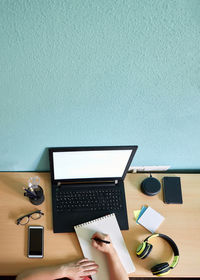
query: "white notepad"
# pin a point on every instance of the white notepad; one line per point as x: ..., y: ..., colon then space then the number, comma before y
x: 151, y: 219
x: 107, y: 225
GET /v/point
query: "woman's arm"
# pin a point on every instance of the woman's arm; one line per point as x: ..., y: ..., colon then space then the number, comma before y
x: 45, y: 273
x: 75, y: 270
x: 116, y: 269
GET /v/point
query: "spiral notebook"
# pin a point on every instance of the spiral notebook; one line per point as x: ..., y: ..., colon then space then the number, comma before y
x: 107, y: 225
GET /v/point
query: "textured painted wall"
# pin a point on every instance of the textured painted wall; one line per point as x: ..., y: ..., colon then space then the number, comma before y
x: 98, y: 72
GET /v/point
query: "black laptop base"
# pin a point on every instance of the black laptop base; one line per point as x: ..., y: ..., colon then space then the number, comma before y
x: 66, y: 224
x: 65, y: 220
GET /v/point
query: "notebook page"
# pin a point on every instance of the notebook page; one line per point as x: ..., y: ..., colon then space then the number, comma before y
x: 107, y: 225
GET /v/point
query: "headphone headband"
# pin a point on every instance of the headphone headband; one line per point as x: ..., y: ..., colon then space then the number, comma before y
x: 171, y: 243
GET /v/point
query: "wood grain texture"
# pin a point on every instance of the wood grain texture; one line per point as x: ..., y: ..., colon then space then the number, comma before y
x: 181, y: 223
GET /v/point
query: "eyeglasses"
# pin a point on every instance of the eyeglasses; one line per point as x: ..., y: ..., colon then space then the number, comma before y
x: 25, y: 219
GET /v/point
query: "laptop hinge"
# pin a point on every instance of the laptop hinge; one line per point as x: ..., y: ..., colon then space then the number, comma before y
x: 59, y: 184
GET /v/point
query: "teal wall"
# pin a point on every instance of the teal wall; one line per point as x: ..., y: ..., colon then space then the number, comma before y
x: 100, y: 72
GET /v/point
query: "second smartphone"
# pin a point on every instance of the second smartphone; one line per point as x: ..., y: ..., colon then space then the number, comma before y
x: 172, y: 193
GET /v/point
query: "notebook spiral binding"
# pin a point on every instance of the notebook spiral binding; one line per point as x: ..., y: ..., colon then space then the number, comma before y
x: 98, y: 219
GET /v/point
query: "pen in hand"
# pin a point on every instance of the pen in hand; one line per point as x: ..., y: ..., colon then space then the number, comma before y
x: 100, y: 240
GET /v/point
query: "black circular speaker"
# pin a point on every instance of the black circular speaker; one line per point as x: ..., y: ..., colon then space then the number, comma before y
x: 150, y: 186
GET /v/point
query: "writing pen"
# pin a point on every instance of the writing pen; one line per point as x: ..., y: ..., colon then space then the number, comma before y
x: 29, y: 193
x: 100, y: 240
x: 29, y: 196
x: 30, y: 188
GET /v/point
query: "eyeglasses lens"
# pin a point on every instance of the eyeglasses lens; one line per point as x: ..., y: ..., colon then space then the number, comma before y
x: 35, y: 216
x: 24, y: 221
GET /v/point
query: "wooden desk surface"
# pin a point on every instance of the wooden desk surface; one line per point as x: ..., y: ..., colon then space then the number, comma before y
x: 182, y: 224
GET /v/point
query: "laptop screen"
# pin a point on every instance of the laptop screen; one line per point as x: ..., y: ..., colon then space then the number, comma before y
x: 89, y: 164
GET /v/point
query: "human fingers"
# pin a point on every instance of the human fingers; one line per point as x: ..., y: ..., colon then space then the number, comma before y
x: 89, y: 271
x: 82, y: 260
x: 101, y: 236
x: 83, y: 272
x: 102, y: 246
x: 86, y: 262
x: 87, y: 267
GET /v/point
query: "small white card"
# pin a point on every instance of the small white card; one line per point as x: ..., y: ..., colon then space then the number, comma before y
x: 151, y: 219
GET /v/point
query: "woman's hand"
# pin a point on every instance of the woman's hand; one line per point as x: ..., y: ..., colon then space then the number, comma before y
x: 116, y: 269
x: 80, y: 269
x: 101, y: 246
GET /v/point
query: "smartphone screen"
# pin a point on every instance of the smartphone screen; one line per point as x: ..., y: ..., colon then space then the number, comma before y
x: 35, y: 241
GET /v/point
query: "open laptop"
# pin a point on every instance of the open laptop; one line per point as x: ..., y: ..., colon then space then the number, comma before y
x: 88, y: 183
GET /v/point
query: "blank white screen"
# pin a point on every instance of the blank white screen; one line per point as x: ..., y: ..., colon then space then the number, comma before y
x: 90, y: 164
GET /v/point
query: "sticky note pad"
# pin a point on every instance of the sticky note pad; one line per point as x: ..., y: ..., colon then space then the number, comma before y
x: 144, y: 208
x: 151, y: 219
x: 136, y: 214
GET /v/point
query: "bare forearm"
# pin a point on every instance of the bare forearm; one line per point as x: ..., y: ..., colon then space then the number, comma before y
x: 76, y: 270
x: 116, y: 269
x: 44, y: 273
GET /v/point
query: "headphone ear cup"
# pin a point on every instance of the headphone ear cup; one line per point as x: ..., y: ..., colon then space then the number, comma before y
x: 144, y: 250
x: 160, y: 269
x: 140, y: 249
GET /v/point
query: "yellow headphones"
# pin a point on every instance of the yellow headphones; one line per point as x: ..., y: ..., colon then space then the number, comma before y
x: 144, y: 249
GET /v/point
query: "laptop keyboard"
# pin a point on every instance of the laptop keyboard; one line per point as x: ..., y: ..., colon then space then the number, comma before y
x: 90, y: 200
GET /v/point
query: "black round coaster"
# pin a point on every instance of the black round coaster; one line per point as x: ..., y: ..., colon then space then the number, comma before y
x: 150, y: 186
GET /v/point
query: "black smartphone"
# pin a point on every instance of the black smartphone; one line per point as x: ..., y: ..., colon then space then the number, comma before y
x: 35, y: 241
x: 172, y: 190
